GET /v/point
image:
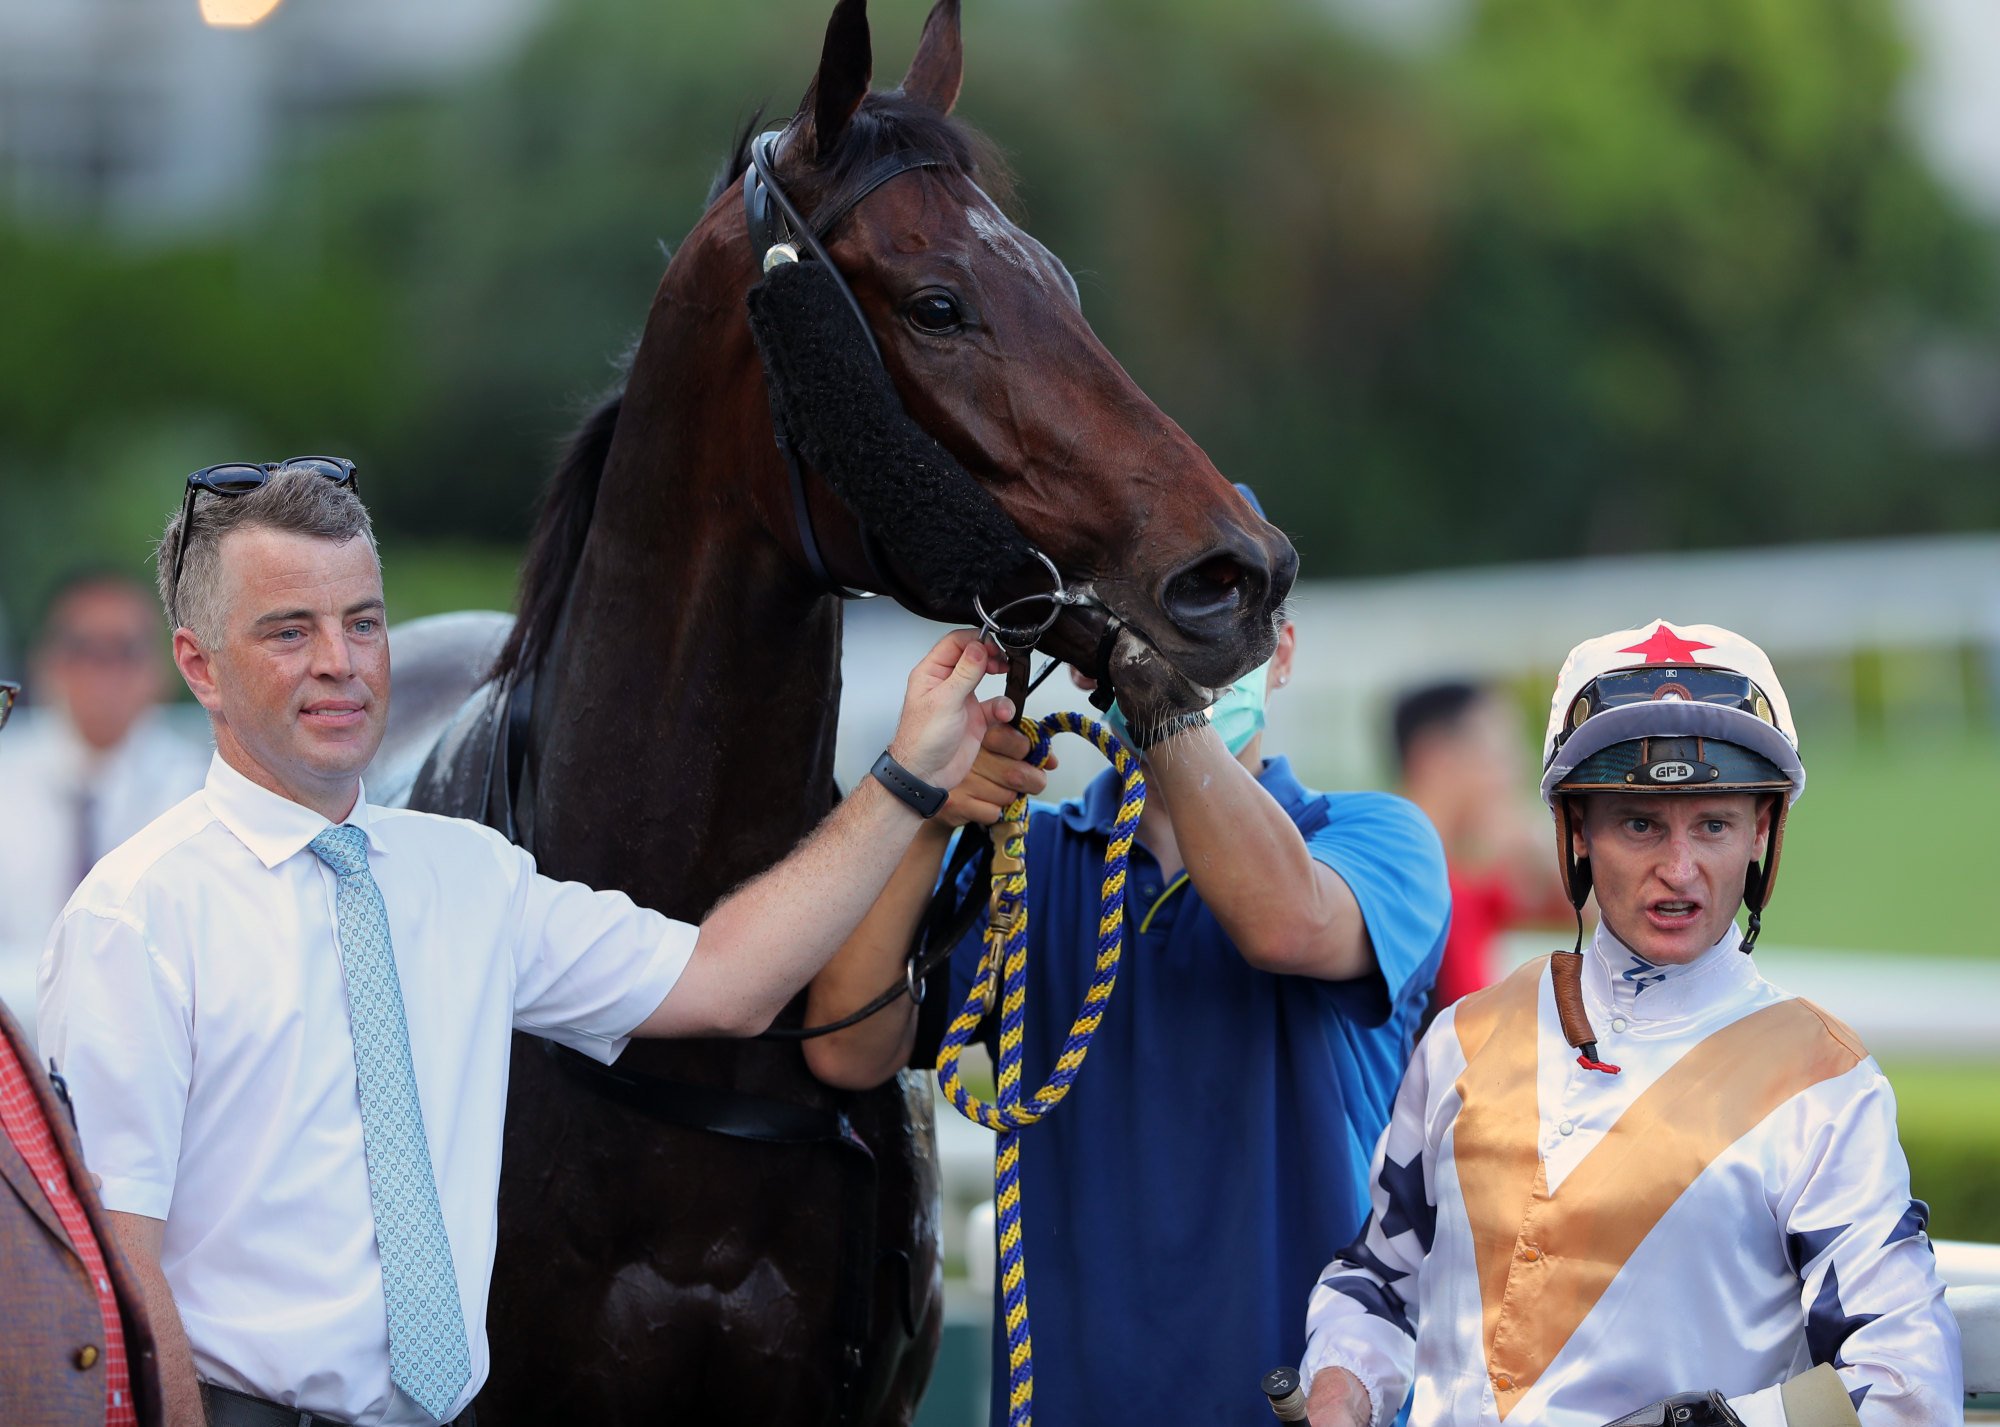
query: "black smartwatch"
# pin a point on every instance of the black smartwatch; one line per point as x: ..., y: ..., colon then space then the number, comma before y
x: 922, y: 798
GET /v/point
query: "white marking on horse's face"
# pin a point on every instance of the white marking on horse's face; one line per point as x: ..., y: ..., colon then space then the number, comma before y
x: 1003, y: 240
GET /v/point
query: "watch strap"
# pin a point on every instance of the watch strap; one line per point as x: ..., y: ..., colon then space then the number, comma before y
x: 921, y: 797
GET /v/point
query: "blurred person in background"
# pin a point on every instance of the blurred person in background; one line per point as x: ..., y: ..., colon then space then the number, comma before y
x: 1279, y: 949
x: 1461, y: 757
x: 76, y: 1349
x: 90, y: 764
x: 1704, y: 1217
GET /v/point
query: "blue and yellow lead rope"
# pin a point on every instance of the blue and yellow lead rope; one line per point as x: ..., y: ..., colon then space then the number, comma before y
x: 1005, y: 963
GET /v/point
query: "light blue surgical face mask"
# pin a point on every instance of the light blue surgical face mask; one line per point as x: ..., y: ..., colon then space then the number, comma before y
x: 1238, y: 716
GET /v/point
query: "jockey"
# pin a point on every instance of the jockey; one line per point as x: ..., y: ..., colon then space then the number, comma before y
x: 1637, y: 1181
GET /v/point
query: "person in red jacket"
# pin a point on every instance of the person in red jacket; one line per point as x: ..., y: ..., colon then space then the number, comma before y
x: 76, y: 1349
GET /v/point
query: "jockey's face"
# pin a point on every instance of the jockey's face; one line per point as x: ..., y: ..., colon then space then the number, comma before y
x: 297, y: 686
x: 1668, y: 869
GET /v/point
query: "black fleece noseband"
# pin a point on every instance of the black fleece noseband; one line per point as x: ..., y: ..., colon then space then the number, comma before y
x: 833, y: 403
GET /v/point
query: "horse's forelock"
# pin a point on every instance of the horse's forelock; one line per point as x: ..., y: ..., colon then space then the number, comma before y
x: 888, y: 122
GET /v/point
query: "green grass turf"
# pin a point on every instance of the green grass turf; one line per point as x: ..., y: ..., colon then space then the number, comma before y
x: 1946, y: 1119
x: 1956, y: 1098
x: 1893, y: 847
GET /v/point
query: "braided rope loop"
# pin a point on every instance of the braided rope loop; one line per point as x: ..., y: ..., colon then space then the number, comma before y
x: 1003, y: 967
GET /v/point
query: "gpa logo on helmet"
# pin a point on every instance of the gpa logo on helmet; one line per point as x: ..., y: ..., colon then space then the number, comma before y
x: 1669, y: 772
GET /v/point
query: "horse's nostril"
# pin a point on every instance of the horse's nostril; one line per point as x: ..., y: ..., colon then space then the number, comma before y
x: 1215, y: 589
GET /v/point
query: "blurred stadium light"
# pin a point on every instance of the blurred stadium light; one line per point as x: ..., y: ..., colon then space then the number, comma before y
x: 157, y: 120
x: 231, y: 14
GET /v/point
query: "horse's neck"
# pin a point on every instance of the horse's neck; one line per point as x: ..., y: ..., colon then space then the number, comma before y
x: 686, y: 738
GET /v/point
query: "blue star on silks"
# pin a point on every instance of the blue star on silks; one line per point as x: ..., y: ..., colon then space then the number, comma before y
x: 1915, y: 1220
x: 1359, y: 1254
x: 1829, y: 1325
x: 1376, y: 1300
x: 1409, y: 1207
x: 1859, y: 1393
x: 1808, y: 1244
x: 1636, y: 975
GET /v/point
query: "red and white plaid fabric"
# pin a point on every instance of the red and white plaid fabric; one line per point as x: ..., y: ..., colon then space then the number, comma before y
x: 22, y: 1121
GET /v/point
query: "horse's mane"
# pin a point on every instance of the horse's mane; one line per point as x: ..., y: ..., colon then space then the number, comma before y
x: 556, y: 547
x: 886, y: 123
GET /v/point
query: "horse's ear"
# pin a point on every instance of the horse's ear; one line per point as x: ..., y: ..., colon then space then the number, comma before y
x: 845, y: 67
x: 939, y: 67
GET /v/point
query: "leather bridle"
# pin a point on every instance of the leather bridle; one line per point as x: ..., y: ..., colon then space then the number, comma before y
x: 777, y: 231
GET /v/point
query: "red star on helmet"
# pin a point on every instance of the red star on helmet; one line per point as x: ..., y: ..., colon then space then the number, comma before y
x: 1666, y: 647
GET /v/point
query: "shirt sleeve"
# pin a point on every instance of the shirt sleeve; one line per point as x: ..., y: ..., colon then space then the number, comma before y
x: 1868, y: 1282
x: 1389, y: 855
x: 589, y: 965
x: 117, y: 1020
x: 1361, y: 1315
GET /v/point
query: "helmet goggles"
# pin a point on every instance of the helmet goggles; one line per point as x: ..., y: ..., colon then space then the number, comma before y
x: 1693, y: 683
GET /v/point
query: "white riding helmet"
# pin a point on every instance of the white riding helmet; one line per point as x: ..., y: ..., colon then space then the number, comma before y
x: 1668, y: 681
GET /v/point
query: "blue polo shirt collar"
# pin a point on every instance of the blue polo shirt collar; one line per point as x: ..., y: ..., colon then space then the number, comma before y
x: 1097, y: 809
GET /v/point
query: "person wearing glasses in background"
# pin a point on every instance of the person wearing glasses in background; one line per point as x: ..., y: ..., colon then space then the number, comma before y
x: 286, y: 1015
x: 88, y: 765
x: 76, y: 1347
x: 1637, y: 1183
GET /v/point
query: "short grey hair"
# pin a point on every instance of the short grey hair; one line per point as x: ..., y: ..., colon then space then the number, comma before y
x: 296, y: 502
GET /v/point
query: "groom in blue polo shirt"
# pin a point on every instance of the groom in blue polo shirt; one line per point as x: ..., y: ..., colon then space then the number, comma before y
x: 1280, y: 944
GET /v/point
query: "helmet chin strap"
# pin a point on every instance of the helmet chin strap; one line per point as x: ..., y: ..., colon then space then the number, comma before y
x: 1566, y: 967
x: 1753, y: 898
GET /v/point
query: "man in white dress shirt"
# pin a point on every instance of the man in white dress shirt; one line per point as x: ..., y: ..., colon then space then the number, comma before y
x: 1638, y: 1183
x: 285, y: 1014
x: 89, y: 765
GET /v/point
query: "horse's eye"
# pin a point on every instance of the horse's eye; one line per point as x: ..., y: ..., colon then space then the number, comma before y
x: 936, y: 313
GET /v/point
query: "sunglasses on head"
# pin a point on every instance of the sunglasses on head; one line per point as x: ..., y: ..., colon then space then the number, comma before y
x: 1697, y: 683
x: 9, y: 691
x: 233, y: 478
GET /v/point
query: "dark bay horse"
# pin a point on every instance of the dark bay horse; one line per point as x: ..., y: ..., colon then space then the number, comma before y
x: 781, y: 1265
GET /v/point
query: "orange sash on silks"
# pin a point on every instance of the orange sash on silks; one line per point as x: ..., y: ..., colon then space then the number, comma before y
x: 1545, y: 1259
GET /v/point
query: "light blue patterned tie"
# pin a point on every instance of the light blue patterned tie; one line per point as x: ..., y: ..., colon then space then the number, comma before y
x: 428, y: 1356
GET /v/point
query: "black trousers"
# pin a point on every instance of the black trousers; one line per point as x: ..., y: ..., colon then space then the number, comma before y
x: 227, y: 1408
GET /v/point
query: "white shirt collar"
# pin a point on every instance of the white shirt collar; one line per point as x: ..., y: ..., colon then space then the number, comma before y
x: 75, y: 765
x: 1643, y: 990
x: 271, y: 826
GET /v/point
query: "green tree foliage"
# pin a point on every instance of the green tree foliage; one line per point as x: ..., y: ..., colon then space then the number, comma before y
x: 122, y: 370
x: 1693, y: 261
x: 1586, y: 278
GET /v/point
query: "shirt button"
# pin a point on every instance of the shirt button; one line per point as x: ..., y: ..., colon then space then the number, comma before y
x: 1567, y: 1127
x: 1530, y: 1254
x: 1618, y: 1023
x: 1503, y: 1382
x: 86, y: 1356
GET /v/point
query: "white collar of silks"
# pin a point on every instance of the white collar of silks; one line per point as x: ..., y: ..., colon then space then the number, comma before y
x: 1646, y: 991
